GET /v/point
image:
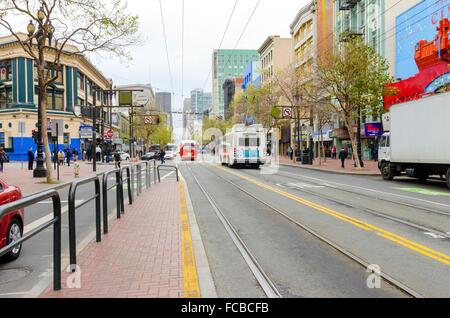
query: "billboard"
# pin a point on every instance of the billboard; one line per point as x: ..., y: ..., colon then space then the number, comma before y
x: 416, y: 24
x: 325, y: 13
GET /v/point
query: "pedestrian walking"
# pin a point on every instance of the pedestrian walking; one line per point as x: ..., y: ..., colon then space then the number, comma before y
x: 98, y: 153
x: 89, y: 154
x: 61, y: 158
x: 75, y: 154
x: 117, y: 160
x: 162, y: 156
x: 68, y: 155
x: 334, y: 153
x: 290, y: 153
x: 3, y: 159
x: 343, y: 156
x: 30, y: 159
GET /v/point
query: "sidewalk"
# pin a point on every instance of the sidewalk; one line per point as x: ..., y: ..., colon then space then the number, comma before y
x: 14, y: 175
x: 334, y: 166
x: 147, y: 254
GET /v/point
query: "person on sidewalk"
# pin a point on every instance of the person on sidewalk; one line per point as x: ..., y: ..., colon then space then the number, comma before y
x: 61, y: 157
x: 98, y: 153
x: 30, y: 159
x: 343, y: 154
x: 117, y: 160
x: 162, y: 156
x: 75, y: 154
x: 290, y: 153
x: 334, y: 153
x: 68, y: 155
x: 3, y: 159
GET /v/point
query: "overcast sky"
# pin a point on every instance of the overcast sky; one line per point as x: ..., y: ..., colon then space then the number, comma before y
x: 205, y: 22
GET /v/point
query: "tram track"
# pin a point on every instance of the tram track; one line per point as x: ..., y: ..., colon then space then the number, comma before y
x: 407, y: 222
x: 387, y: 278
x: 261, y: 277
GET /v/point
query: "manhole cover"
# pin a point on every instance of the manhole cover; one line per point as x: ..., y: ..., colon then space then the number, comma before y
x: 12, y: 275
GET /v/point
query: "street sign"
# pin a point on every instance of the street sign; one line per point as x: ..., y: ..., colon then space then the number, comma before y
x: 125, y: 98
x: 57, y: 123
x: 140, y: 98
x: 148, y: 120
x: 86, y: 132
x: 109, y: 134
x: 287, y: 112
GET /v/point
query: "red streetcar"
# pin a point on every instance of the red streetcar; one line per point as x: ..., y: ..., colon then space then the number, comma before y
x: 188, y: 150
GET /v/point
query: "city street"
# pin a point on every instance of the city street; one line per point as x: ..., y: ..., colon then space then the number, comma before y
x: 309, y: 233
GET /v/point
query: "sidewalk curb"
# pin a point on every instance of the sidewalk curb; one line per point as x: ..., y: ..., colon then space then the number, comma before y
x: 207, y: 286
x: 330, y: 171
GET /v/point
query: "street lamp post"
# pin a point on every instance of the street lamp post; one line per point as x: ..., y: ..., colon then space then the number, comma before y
x: 298, y: 154
x: 43, y: 33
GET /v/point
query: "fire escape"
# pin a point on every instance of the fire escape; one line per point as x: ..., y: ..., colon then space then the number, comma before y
x: 348, y: 31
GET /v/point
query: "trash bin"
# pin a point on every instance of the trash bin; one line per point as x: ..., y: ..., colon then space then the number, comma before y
x: 306, y: 158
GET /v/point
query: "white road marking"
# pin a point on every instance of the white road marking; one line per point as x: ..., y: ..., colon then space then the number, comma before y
x: 435, y: 236
x: 371, y: 190
x: 14, y: 294
x: 33, y: 225
x: 168, y: 175
x: 305, y: 186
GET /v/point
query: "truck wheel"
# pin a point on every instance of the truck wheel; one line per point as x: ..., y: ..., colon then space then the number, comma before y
x: 448, y: 178
x: 387, y: 172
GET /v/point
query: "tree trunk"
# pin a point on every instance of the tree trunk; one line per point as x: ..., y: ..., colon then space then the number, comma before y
x: 43, y: 102
x: 352, y: 134
x: 45, y: 141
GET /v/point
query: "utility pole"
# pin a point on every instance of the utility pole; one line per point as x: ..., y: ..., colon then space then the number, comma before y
x: 94, y: 127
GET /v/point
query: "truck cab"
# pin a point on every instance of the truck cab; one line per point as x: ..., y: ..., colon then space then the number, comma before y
x: 384, y: 149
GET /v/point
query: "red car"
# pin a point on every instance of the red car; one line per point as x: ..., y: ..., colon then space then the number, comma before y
x: 11, y: 225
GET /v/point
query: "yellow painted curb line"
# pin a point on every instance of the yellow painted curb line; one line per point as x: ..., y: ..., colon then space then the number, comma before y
x: 188, y: 265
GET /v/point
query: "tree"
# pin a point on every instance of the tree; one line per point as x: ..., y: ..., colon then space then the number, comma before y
x: 354, y: 76
x: 89, y: 25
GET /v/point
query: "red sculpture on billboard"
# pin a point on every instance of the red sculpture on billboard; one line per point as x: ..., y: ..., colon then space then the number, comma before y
x: 432, y: 59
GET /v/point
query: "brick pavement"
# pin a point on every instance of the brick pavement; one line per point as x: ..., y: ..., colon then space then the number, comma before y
x: 141, y: 257
x: 332, y: 165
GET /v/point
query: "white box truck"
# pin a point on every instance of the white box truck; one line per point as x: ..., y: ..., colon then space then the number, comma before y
x: 418, y: 141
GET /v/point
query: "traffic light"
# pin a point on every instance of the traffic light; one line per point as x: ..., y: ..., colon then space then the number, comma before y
x: 34, y: 134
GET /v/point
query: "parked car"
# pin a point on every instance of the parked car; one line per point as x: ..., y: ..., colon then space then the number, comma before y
x: 11, y: 225
x: 150, y: 156
x: 124, y: 156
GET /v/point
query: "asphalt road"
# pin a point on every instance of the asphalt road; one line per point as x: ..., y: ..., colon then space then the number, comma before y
x: 401, y: 227
x: 26, y: 276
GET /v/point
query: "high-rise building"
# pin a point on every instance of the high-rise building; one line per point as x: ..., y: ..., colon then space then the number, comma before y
x: 164, y: 101
x: 228, y: 64
x: 200, y: 102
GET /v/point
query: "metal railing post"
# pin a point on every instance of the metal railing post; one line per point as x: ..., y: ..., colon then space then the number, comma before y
x: 119, y: 199
x: 57, y: 242
x: 105, y: 203
x: 154, y: 171
x: 72, y: 219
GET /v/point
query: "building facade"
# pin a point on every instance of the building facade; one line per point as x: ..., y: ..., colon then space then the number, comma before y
x: 164, y: 101
x: 304, y: 55
x: 275, y: 55
x: 252, y: 75
x: 201, y: 102
x: 227, y: 64
x: 19, y: 98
